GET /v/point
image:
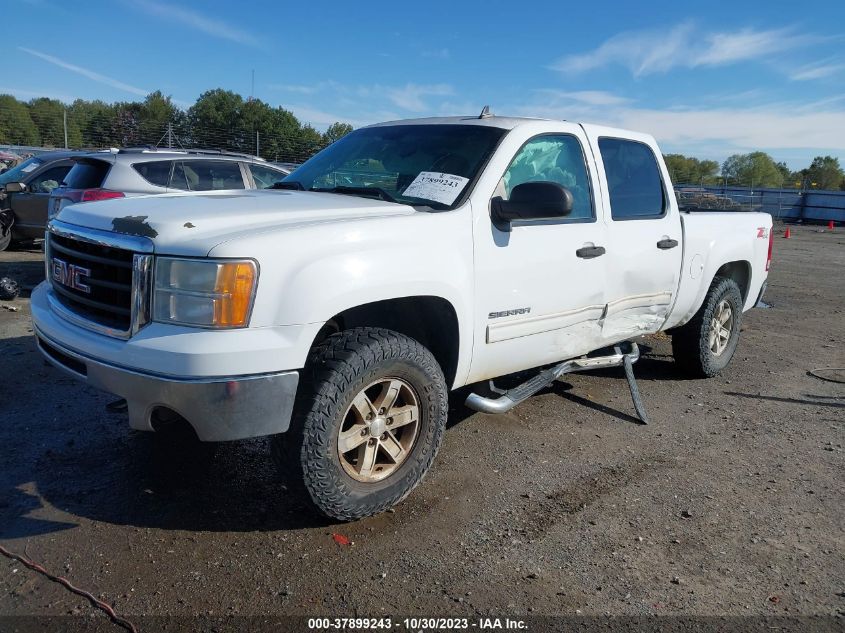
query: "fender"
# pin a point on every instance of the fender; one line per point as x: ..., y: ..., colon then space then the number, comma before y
x: 311, y: 273
x: 708, y: 247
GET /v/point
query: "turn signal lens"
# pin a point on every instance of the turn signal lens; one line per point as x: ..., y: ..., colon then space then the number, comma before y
x: 235, y: 281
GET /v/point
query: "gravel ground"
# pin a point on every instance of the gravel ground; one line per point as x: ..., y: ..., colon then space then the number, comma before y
x: 730, y: 503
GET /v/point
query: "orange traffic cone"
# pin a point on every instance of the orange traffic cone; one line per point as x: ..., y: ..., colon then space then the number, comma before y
x: 786, y: 234
x: 830, y: 225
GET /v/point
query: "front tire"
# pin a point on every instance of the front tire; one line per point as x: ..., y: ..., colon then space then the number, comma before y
x: 370, y: 414
x: 705, y: 345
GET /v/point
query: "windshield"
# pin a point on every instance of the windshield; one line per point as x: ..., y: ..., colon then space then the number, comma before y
x: 17, y: 174
x: 429, y: 165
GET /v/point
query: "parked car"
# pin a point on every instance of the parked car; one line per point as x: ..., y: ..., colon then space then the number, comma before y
x: 141, y: 171
x: 404, y: 260
x: 25, y: 191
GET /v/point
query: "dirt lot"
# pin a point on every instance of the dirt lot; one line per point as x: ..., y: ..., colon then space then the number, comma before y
x: 731, y: 502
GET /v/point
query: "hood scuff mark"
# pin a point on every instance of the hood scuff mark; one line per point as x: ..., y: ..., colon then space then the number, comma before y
x: 133, y: 225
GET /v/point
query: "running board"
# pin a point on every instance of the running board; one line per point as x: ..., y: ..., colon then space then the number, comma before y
x: 512, y: 397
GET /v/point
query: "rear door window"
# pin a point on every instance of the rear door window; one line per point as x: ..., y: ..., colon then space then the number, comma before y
x: 265, y: 177
x: 87, y: 174
x: 633, y: 179
x: 156, y: 172
x: 207, y: 175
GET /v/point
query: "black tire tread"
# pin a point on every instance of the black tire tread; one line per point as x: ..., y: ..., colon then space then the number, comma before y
x: 333, y: 367
x: 689, y: 342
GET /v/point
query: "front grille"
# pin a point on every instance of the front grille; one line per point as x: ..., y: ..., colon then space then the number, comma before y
x: 108, y: 301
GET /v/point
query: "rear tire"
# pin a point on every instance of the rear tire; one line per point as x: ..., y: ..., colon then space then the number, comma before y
x: 5, y: 240
x: 369, y: 419
x: 705, y: 345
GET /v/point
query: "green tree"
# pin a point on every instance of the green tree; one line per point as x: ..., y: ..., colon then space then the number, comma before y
x: 16, y: 125
x: 95, y: 121
x: 214, y: 117
x: 686, y: 169
x: 756, y: 169
x: 336, y: 131
x: 159, y: 120
x: 824, y: 173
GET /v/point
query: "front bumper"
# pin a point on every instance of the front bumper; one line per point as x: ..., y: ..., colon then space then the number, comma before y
x: 218, y: 408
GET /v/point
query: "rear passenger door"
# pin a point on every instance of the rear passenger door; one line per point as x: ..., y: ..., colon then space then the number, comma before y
x: 643, y: 235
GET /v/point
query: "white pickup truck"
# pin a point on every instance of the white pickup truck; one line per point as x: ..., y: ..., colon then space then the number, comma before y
x: 406, y: 259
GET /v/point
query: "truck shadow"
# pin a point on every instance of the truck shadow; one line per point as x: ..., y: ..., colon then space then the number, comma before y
x: 67, y: 459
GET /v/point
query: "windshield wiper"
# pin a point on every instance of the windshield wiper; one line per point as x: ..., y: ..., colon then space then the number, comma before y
x: 289, y: 184
x: 360, y: 191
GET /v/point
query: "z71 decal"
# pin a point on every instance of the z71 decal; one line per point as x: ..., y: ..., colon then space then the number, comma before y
x: 762, y: 232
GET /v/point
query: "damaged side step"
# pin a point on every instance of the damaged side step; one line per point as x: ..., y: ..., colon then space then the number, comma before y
x: 512, y: 397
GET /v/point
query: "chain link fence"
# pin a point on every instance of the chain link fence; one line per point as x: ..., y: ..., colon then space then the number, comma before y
x: 782, y: 204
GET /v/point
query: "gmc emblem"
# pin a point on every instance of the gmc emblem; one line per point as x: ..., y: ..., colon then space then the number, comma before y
x: 69, y: 274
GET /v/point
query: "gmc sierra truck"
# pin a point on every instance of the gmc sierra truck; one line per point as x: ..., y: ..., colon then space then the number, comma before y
x: 407, y: 259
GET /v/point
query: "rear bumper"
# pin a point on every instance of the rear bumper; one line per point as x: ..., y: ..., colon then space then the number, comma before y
x: 218, y: 408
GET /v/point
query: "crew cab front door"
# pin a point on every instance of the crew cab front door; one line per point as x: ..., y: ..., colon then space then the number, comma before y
x: 644, y: 239
x: 540, y: 286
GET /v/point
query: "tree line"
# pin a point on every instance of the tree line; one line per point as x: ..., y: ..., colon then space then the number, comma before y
x: 219, y: 119
x: 222, y: 119
x: 756, y: 169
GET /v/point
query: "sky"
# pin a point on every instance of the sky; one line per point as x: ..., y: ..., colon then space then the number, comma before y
x: 733, y: 78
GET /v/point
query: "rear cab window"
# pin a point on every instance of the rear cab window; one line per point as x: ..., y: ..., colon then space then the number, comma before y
x: 87, y: 174
x: 633, y: 177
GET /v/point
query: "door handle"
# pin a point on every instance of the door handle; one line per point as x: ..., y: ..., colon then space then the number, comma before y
x: 588, y: 252
x: 667, y: 244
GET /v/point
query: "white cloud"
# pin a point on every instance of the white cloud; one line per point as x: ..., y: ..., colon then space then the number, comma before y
x: 410, y: 96
x: 818, y: 70
x: 25, y: 95
x: 198, y: 22
x: 588, y: 97
x: 85, y: 72
x: 711, y: 131
x: 683, y: 46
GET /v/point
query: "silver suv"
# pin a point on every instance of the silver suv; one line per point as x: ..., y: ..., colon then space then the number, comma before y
x: 139, y: 171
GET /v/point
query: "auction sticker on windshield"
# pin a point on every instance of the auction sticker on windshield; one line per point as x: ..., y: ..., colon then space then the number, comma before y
x: 431, y: 185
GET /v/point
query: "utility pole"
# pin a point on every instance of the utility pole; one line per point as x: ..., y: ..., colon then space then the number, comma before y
x: 257, y: 144
x: 64, y: 121
x: 169, y: 135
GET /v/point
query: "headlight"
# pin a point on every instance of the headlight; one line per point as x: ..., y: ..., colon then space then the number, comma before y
x: 204, y: 292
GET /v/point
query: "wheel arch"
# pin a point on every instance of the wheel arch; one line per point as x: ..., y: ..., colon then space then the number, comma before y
x: 740, y: 272
x: 429, y: 319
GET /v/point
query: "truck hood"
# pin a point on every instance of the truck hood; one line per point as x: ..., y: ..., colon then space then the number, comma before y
x: 194, y: 223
